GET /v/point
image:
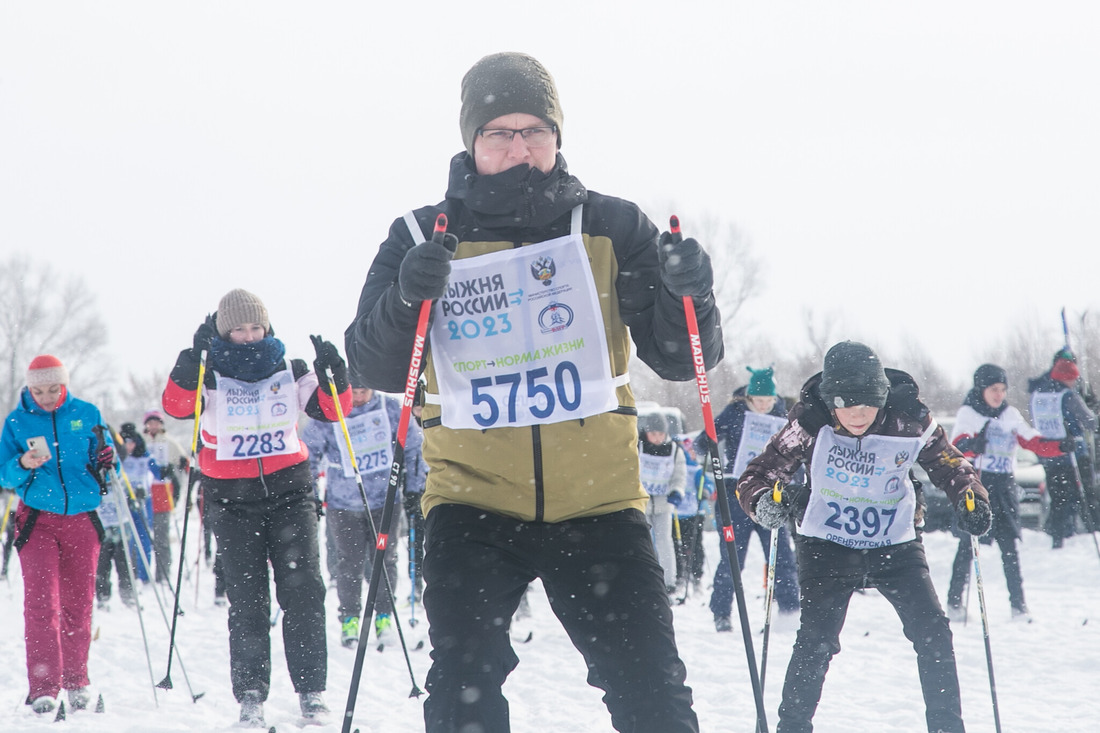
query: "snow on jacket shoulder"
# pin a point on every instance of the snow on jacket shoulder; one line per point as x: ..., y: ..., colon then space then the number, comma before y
x: 62, y: 485
x: 554, y: 471
x: 793, y: 446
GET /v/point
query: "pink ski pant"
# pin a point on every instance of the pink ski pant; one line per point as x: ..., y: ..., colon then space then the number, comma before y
x: 59, y: 562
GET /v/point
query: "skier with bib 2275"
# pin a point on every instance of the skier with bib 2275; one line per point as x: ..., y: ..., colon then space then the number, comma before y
x: 372, y: 427
x: 529, y: 420
x: 858, y: 429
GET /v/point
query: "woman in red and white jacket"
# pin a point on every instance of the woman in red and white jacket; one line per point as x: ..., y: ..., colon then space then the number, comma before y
x: 259, y: 489
x: 987, y: 431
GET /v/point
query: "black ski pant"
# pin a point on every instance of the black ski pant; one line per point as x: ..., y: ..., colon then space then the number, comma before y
x: 1064, y: 499
x: 689, y: 548
x: 112, y: 551
x: 605, y: 586
x: 162, y: 549
x: 283, y: 530
x: 1005, y: 530
x: 354, y: 549
x: 828, y: 575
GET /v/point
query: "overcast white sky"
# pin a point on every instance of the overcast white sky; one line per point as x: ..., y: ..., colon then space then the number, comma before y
x: 897, y: 165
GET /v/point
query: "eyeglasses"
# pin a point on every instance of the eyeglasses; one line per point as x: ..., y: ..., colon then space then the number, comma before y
x: 535, y: 137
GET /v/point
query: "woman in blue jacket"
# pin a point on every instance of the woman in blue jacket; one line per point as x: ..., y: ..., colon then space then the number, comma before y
x: 52, y: 458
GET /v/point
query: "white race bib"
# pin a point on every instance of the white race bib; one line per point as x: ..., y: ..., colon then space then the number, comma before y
x: 257, y: 419
x: 861, y: 494
x: 1046, y: 414
x: 518, y: 339
x: 755, y: 434
x: 159, y: 452
x: 1000, y: 449
x: 371, y: 439
x: 656, y: 472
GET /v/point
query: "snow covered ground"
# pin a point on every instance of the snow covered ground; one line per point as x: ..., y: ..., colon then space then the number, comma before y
x: 1047, y: 674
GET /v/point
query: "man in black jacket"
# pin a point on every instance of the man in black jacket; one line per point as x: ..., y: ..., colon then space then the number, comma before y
x: 529, y: 422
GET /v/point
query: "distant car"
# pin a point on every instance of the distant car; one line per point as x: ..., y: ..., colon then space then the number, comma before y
x: 1031, y: 479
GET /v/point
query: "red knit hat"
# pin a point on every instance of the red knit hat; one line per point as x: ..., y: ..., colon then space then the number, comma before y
x: 46, y: 369
x: 1064, y: 370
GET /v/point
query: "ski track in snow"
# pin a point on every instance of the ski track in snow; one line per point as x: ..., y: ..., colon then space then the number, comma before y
x: 1046, y: 671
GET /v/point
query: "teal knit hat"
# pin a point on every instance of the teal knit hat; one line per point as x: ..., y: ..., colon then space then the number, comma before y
x: 761, y: 383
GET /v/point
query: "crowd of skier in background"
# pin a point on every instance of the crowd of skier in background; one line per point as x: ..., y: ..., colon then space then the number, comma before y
x: 604, y: 502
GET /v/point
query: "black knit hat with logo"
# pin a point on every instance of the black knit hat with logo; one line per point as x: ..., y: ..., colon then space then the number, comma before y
x: 853, y: 375
x: 504, y: 84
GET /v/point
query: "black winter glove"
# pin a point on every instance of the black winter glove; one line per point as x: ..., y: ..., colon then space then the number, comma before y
x: 425, y: 269
x: 904, y: 397
x: 975, y: 445
x: 675, y: 498
x: 975, y: 522
x: 206, y: 333
x: 770, y: 514
x: 1068, y: 444
x: 328, y: 357
x: 685, y: 267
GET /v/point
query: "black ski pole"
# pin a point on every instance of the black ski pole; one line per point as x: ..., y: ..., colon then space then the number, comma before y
x: 120, y: 481
x: 416, y: 691
x: 723, y: 496
x: 381, y: 545
x: 985, y: 620
x: 773, y: 550
x: 166, y: 683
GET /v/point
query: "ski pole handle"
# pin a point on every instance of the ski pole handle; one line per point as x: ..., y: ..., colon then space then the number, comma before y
x: 970, y: 500
x: 439, y: 236
x: 198, y: 408
x: 777, y: 492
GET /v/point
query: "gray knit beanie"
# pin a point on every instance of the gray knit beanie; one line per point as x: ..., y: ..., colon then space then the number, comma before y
x: 238, y: 307
x: 503, y: 84
x: 853, y: 375
x: 652, y: 422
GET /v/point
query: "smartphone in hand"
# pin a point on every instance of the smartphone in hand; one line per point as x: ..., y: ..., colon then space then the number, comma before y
x: 39, y: 447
